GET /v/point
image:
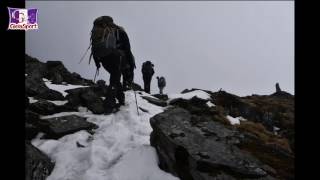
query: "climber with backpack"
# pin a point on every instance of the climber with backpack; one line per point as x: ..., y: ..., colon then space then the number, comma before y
x: 161, y: 83
x: 110, y: 47
x: 147, y: 73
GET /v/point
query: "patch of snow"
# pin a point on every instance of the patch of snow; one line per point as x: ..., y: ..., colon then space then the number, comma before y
x: 210, y: 104
x: 275, y: 128
x: 139, y: 163
x: 236, y: 120
x: 45, y: 80
x: 59, y: 103
x: 32, y: 100
x: 198, y: 93
x: 60, y: 87
x: 119, y: 150
x: 233, y: 120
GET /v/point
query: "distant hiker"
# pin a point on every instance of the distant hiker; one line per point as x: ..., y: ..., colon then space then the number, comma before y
x: 161, y: 83
x: 111, y: 48
x: 147, y: 73
x: 278, y: 87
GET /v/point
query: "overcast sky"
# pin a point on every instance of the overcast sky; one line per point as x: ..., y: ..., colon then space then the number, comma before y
x: 242, y: 47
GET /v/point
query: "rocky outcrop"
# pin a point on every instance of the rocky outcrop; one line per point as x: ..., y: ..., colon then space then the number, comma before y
x: 53, y: 70
x: 35, y: 87
x: 61, y: 126
x: 44, y: 107
x: 195, y: 141
x: 163, y: 97
x: 275, y: 110
x: 37, y: 165
x: 195, y: 148
x: 86, y: 97
x: 155, y: 101
x: 58, y: 74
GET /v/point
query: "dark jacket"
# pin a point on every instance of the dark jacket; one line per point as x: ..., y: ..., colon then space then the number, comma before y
x: 147, y: 69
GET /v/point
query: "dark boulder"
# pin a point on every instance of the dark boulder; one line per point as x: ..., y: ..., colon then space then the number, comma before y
x: 155, y: 101
x: 37, y: 165
x: 59, y: 73
x: 33, y: 124
x: 34, y: 86
x: 57, y: 78
x: 86, y: 97
x: 197, y: 147
x: 44, y: 107
x: 61, y: 126
x: 163, y: 97
x: 33, y: 67
x: 51, y: 95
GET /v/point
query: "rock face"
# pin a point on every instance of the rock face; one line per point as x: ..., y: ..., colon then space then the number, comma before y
x: 195, y: 141
x: 58, y: 73
x: 53, y: 70
x: 34, y: 86
x: 195, y: 148
x: 163, y: 97
x: 86, y: 97
x: 37, y: 165
x: 44, y: 107
x: 155, y: 101
x: 61, y: 126
x: 276, y: 110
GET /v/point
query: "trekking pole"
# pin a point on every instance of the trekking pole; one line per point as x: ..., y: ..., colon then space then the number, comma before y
x: 84, y: 54
x: 135, y: 96
x: 97, y: 72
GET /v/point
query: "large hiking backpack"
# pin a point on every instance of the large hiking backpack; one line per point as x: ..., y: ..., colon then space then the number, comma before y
x: 104, y: 38
x: 162, y: 82
x: 147, y: 68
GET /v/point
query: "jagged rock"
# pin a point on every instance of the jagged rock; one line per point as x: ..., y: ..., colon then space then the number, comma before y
x: 93, y: 102
x: 33, y: 67
x: 61, y: 126
x: 38, y: 166
x: 282, y: 94
x: 34, y: 85
x: 86, y: 97
x: 163, y: 97
x: 33, y: 124
x: 57, y: 71
x: 155, y: 101
x: 57, y: 78
x: 196, y: 147
x: 51, y: 95
x: 278, y: 87
x: 47, y: 108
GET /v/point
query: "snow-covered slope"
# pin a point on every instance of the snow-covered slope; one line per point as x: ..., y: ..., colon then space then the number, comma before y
x: 118, y: 150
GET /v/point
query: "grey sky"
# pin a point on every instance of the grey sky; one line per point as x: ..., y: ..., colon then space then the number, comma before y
x: 242, y: 47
